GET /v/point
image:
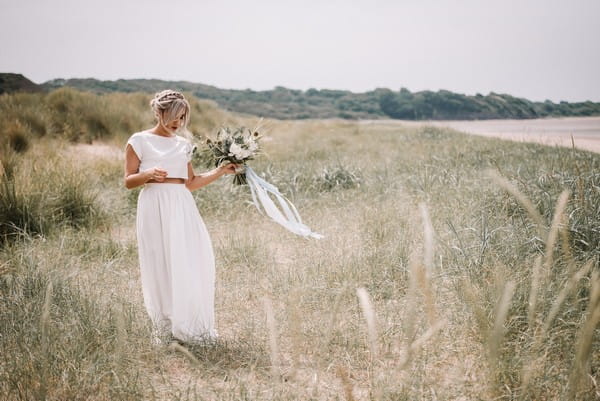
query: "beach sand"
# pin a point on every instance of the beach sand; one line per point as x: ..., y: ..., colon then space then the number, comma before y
x: 582, y: 132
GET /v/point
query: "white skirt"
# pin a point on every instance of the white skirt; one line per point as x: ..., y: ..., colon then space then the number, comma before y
x: 176, y: 261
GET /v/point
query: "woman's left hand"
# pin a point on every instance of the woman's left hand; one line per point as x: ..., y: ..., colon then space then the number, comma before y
x: 229, y: 168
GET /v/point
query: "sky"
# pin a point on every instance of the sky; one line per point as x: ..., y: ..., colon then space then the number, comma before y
x: 537, y: 49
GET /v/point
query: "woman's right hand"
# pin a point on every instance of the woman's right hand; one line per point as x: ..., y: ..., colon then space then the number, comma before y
x: 156, y: 174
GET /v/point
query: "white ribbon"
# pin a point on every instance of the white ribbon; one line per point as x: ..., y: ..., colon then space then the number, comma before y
x: 290, y: 218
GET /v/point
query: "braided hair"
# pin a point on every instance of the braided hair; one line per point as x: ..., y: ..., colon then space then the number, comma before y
x: 168, y: 104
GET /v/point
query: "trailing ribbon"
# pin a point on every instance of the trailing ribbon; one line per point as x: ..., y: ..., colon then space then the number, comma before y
x: 290, y: 218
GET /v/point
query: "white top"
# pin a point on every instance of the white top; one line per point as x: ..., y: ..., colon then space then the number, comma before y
x: 170, y: 153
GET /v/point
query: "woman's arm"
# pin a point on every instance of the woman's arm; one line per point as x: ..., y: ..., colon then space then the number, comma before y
x: 133, y: 176
x: 198, y: 181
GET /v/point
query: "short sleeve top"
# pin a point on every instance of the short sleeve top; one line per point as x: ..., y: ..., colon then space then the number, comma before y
x: 172, y: 154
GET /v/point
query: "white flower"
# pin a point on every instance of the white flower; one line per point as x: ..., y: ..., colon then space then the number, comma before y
x: 252, y: 146
x: 244, y: 153
x: 238, y: 152
x: 234, y: 150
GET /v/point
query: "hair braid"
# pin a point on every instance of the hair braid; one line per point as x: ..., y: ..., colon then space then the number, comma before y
x: 168, y: 104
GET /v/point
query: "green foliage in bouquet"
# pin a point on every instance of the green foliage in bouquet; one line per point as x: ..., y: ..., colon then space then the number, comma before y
x: 232, y: 146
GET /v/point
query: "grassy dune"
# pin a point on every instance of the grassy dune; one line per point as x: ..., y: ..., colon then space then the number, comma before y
x: 453, y: 268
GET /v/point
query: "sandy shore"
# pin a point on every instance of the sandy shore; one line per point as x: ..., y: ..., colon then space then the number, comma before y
x: 583, y: 132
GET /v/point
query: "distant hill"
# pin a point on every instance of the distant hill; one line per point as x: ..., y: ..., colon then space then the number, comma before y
x: 283, y: 103
x: 10, y: 82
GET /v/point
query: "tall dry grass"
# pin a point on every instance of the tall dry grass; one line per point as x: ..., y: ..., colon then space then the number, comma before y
x: 436, y: 279
x: 83, y: 117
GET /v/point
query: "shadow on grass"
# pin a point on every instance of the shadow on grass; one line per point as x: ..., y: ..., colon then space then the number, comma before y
x: 221, y: 356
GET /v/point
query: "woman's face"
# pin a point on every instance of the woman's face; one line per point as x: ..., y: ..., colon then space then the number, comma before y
x: 174, y: 125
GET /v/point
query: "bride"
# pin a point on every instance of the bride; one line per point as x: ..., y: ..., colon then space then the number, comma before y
x: 175, y: 251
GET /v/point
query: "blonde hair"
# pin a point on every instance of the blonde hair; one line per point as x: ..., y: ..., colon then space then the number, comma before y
x: 167, y: 105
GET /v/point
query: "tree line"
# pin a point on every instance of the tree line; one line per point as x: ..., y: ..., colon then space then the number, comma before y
x: 284, y: 103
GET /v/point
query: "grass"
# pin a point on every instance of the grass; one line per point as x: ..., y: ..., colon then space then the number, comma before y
x: 62, y: 345
x: 453, y: 267
x: 42, y: 193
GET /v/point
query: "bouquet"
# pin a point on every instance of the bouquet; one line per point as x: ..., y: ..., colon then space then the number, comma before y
x: 238, y: 146
x: 233, y: 146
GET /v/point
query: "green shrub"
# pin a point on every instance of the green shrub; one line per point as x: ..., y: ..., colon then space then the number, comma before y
x: 18, y: 142
x: 20, y: 213
x: 340, y: 177
x: 55, y: 199
x: 76, y: 204
x: 16, y: 137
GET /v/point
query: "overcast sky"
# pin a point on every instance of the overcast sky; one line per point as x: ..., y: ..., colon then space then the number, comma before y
x: 538, y: 49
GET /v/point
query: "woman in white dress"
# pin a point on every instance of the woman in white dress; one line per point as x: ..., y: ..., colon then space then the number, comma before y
x: 175, y: 251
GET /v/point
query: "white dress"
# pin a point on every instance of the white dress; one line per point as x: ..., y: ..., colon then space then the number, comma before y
x: 175, y: 251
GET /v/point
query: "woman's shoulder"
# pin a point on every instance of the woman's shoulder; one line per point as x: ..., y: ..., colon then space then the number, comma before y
x: 185, y: 137
x: 140, y: 134
x: 186, y: 142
